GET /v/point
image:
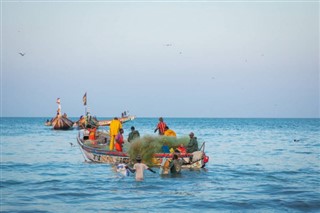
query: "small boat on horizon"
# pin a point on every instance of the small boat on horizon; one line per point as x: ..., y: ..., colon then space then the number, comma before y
x: 122, y: 120
x: 60, y: 122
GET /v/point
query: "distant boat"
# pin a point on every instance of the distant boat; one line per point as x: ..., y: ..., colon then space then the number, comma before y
x: 83, y: 122
x: 61, y: 122
x: 122, y: 120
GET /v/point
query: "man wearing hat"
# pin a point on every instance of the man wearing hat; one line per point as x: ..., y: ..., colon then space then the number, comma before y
x: 139, y: 169
x: 193, y: 143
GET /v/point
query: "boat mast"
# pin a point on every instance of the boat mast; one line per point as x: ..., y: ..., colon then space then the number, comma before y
x: 84, y: 99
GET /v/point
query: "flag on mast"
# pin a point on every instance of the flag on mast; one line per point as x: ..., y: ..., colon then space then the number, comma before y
x: 84, y: 99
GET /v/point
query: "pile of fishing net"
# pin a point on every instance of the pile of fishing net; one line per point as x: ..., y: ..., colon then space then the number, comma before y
x: 148, y: 145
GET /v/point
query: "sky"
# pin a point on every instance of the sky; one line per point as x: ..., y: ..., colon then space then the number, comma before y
x: 237, y: 59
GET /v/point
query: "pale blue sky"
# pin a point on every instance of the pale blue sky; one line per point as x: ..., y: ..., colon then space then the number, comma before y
x: 214, y: 59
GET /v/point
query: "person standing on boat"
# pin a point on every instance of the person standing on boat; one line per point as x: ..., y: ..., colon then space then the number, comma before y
x: 139, y: 168
x: 115, y: 126
x: 59, y: 107
x: 119, y: 140
x: 193, y: 143
x: 160, y: 127
x: 133, y: 134
x: 169, y: 132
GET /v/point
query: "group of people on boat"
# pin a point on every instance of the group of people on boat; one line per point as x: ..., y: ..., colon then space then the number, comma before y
x: 124, y: 114
x: 163, y: 129
x: 117, y: 140
x: 116, y: 135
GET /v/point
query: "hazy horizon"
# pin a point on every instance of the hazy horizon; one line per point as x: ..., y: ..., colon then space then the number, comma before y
x: 169, y: 59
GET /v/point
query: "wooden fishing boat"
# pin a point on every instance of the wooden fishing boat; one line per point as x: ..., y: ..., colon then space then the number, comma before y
x: 82, y: 122
x: 61, y: 122
x: 122, y: 120
x: 98, y: 151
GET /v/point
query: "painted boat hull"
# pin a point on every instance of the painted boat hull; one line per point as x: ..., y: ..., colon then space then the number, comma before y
x: 100, y: 154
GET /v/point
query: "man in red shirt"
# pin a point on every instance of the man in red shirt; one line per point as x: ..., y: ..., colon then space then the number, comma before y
x: 161, y: 126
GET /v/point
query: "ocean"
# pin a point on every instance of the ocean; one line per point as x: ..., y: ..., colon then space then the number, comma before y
x: 255, y: 165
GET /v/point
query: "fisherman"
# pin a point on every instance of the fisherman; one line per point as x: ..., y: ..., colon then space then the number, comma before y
x: 139, y: 168
x: 175, y: 165
x: 133, y: 134
x: 165, y: 147
x: 119, y: 140
x: 92, y: 132
x: 115, y: 126
x: 181, y: 149
x: 193, y: 143
x: 160, y: 126
x: 169, y: 132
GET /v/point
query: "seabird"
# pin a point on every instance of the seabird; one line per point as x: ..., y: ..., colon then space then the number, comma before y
x: 21, y: 53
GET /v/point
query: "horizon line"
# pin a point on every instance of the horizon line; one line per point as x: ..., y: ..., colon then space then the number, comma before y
x: 174, y: 117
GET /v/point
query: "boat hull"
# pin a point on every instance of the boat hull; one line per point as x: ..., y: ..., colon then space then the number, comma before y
x: 62, y: 123
x: 98, y: 154
x: 122, y: 120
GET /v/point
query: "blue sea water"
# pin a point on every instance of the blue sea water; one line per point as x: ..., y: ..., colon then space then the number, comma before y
x: 256, y: 165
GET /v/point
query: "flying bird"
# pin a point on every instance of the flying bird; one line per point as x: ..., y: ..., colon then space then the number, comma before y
x: 22, y: 54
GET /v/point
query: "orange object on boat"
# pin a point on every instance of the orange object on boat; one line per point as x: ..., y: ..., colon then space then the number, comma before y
x: 92, y: 133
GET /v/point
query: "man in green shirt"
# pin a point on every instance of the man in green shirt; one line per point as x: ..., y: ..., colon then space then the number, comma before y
x: 133, y: 134
x: 193, y: 143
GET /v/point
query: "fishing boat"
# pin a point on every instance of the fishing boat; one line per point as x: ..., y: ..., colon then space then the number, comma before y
x: 122, y: 120
x: 61, y: 122
x: 85, y: 121
x: 98, y: 151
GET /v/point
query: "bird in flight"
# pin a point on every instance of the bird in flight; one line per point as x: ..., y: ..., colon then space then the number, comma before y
x: 22, y: 54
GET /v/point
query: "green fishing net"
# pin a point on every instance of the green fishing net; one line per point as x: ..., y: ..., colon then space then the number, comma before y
x: 148, y: 145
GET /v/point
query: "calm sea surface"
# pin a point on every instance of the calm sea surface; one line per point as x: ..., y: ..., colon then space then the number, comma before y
x: 256, y: 165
